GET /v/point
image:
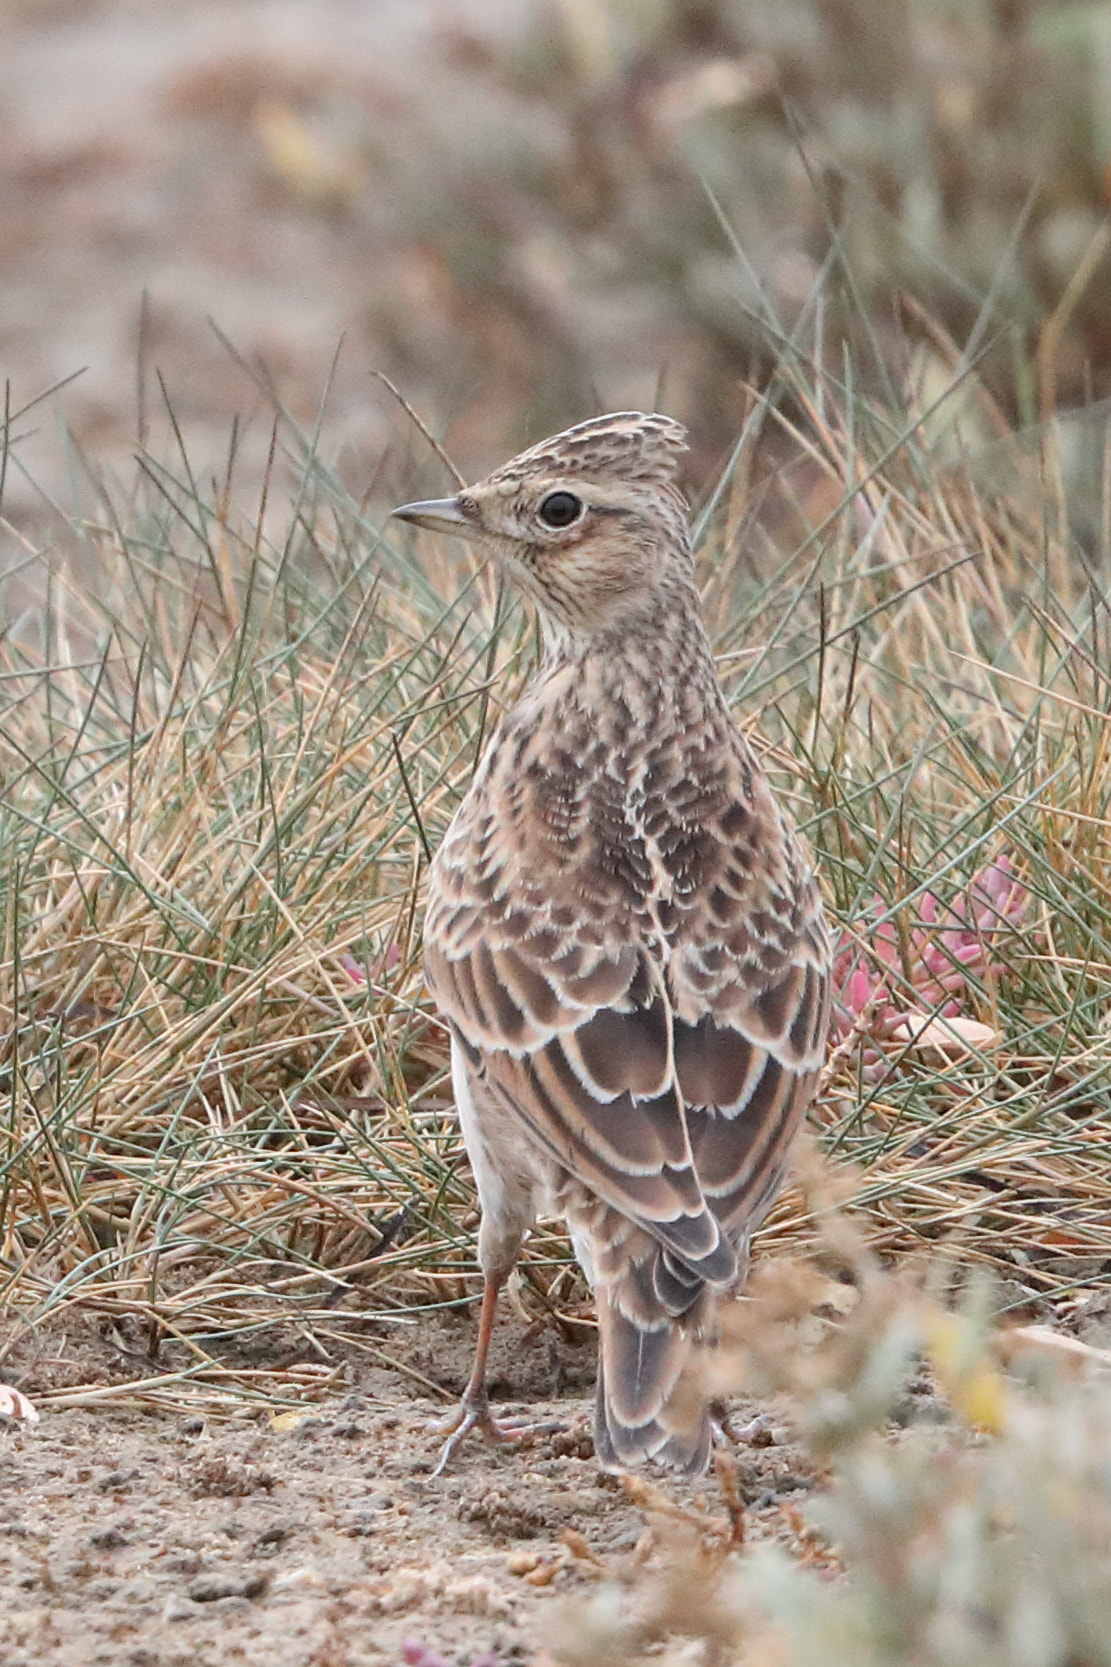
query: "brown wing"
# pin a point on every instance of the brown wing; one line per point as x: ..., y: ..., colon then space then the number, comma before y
x: 638, y: 972
x: 749, y: 980
x: 580, y: 1049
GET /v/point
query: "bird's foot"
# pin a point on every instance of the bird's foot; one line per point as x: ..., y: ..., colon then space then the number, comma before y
x: 756, y: 1433
x: 473, y: 1413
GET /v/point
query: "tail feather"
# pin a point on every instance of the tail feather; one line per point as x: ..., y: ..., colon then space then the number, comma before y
x: 650, y: 1402
x: 675, y: 1285
x: 681, y: 1445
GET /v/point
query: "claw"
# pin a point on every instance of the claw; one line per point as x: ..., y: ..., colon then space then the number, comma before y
x: 474, y: 1414
x: 473, y: 1411
x: 756, y: 1433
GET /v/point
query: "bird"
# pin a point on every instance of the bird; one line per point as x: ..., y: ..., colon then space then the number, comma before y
x: 625, y: 936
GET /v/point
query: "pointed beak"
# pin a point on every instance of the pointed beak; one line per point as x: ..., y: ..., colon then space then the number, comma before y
x: 439, y: 515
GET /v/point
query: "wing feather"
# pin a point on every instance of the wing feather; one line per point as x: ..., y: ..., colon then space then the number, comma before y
x: 658, y: 1040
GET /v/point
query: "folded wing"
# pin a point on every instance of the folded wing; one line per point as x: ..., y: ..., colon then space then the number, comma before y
x: 585, y: 1059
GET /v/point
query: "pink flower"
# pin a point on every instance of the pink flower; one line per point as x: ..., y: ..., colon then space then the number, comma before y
x: 385, y: 962
x: 415, y: 1654
x: 883, y: 981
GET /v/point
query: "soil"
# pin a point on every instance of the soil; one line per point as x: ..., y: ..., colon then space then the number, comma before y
x: 321, y: 1538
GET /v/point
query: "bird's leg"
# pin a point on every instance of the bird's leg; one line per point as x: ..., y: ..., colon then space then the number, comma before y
x: 473, y: 1411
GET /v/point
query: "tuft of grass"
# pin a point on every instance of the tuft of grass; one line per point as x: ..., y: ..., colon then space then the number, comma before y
x: 224, y: 764
x: 226, y: 756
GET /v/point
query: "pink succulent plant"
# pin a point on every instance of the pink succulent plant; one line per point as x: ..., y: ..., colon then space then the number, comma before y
x: 887, y: 985
x: 385, y: 962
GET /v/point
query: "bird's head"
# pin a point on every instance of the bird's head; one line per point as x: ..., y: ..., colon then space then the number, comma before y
x: 590, y: 525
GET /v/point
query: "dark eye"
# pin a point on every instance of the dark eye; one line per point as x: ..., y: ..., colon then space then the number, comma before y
x: 559, y: 509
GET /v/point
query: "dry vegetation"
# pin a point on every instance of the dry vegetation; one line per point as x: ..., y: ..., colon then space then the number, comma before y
x: 225, y: 1094
x: 222, y: 1075
x: 974, y: 1532
x: 227, y: 751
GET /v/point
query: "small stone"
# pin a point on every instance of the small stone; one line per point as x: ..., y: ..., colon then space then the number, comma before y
x: 115, y: 1479
x: 182, y: 1562
x: 232, y: 1605
x: 177, y: 1608
x: 210, y: 1588
x: 307, y: 1429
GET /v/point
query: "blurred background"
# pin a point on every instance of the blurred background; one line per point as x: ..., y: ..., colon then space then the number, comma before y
x: 526, y: 210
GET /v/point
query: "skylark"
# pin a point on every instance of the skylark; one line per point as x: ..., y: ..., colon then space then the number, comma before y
x: 624, y: 935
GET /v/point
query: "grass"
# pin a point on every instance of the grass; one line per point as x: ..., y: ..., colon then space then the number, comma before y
x: 226, y: 754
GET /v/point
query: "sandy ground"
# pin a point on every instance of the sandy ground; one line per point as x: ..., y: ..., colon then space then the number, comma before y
x: 322, y: 1540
